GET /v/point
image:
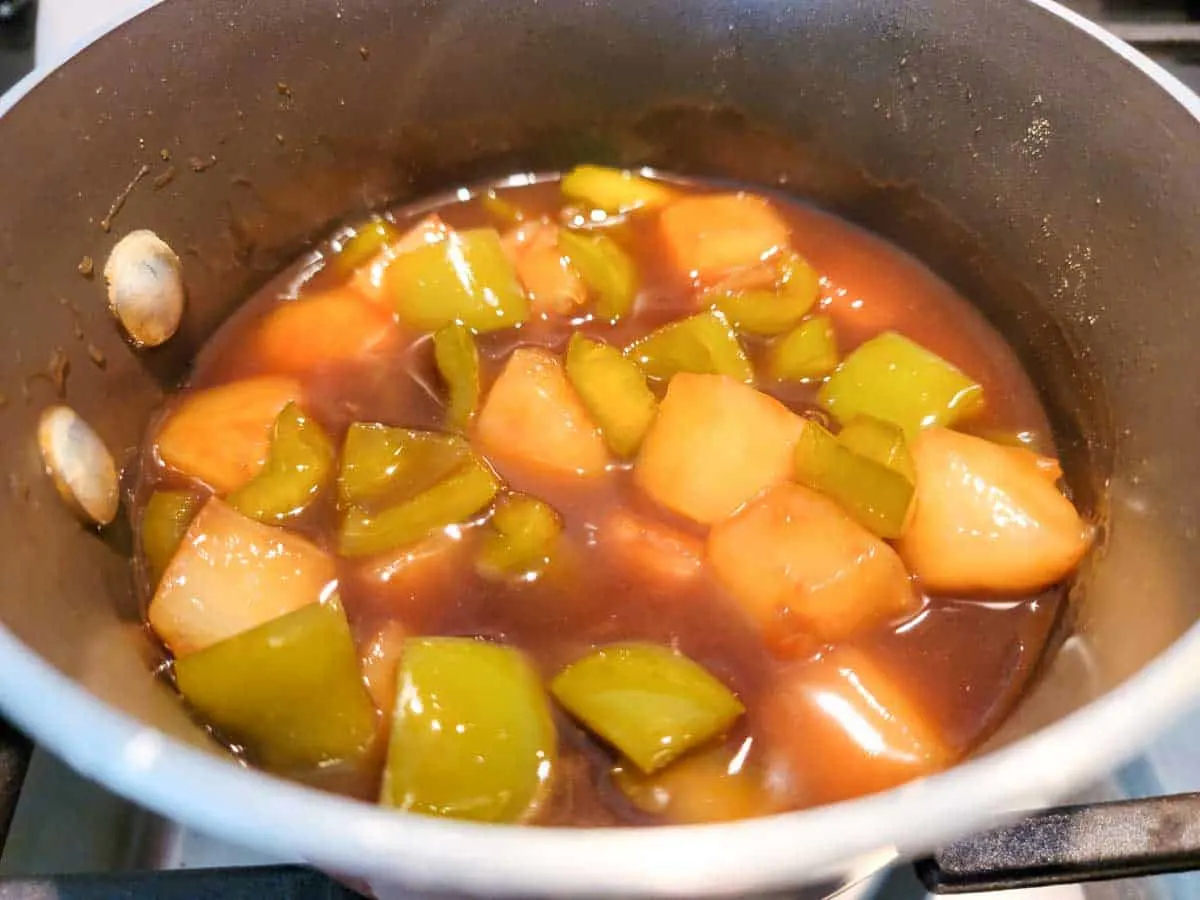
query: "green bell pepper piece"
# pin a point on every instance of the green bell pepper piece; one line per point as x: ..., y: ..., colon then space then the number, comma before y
x: 472, y: 736
x: 704, y: 344
x: 298, y: 466
x: 451, y: 501
x: 767, y: 312
x: 457, y: 360
x: 614, y: 392
x: 892, y: 378
x: 605, y: 268
x: 878, y: 496
x: 521, y: 538
x: 165, y: 520
x: 881, y: 441
x: 613, y: 190
x: 382, y: 464
x: 466, y: 278
x: 365, y: 242
x: 648, y: 702
x: 289, y: 691
x: 808, y: 351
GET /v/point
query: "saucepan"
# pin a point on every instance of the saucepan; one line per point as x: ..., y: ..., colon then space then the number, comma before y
x: 1044, y: 169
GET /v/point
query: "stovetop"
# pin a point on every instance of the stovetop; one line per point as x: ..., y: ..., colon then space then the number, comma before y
x: 63, y: 837
x: 16, y: 40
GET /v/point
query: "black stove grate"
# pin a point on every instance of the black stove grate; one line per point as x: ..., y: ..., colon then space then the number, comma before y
x: 14, y: 759
x: 16, y: 40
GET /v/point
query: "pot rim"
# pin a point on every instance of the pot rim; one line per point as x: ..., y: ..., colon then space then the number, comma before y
x: 216, y: 796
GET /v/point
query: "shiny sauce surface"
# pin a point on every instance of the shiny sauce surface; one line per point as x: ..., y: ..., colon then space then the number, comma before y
x: 966, y: 660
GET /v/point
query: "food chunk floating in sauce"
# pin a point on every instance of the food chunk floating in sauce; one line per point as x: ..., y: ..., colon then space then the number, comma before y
x: 648, y: 702
x: 471, y: 733
x: 221, y: 436
x: 802, y: 568
x: 231, y: 573
x: 532, y: 416
x: 715, y: 785
x: 613, y: 389
x: 603, y: 500
x: 841, y: 726
x: 714, y: 446
x: 324, y: 330
x: 465, y: 278
x: 290, y: 688
x: 553, y: 284
x: 710, y: 235
x: 989, y: 519
x: 298, y: 468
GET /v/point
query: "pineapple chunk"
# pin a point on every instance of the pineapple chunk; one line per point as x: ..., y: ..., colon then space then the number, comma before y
x: 380, y: 658
x: 989, y: 518
x: 412, y: 581
x: 221, y: 435
x: 231, y: 574
x: 709, y: 785
x: 533, y: 416
x: 715, y: 445
x: 649, y: 549
x: 552, y: 285
x: 712, y: 235
x: 338, y: 326
x: 840, y: 727
x: 801, y: 567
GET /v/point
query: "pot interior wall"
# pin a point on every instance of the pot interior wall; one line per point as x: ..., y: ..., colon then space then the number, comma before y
x: 1039, y: 174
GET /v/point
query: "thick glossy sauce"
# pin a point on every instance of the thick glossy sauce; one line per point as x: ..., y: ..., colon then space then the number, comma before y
x: 967, y: 660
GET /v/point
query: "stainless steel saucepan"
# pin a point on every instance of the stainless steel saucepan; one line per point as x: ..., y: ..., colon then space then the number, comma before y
x: 1046, y: 170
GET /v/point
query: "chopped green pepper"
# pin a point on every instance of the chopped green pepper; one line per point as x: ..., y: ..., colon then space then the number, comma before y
x: 521, y: 538
x: 704, y: 344
x: 879, y: 497
x: 808, y: 351
x: 381, y: 464
x: 457, y: 360
x: 761, y: 311
x: 472, y: 736
x: 466, y: 278
x: 613, y: 190
x: 290, y: 690
x: 298, y: 466
x: 165, y: 520
x: 895, y: 379
x: 614, y: 392
x: 881, y: 441
x: 605, y: 268
x: 650, y: 703
x: 362, y: 244
x: 501, y: 210
x: 451, y: 501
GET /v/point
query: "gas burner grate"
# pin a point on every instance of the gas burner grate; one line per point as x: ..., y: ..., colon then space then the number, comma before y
x: 14, y: 760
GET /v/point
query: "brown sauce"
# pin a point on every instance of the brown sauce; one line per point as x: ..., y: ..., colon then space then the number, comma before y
x: 967, y: 660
